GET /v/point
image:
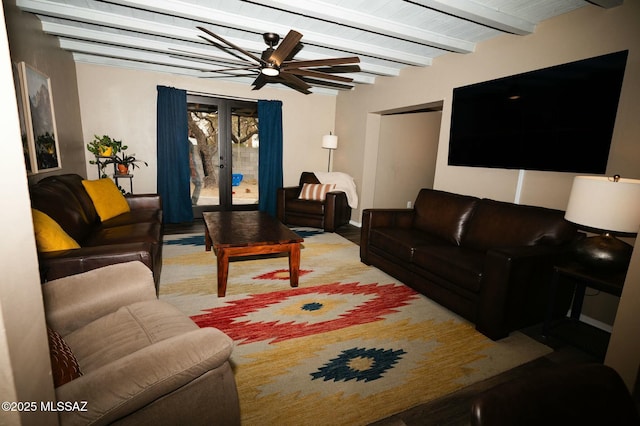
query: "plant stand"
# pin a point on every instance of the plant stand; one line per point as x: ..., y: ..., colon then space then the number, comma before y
x: 129, y: 176
x: 100, y: 162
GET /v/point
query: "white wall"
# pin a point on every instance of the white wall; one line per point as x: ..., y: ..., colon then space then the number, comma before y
x: 122, y: 103
x: 406, y: 157
x: 25, y: 372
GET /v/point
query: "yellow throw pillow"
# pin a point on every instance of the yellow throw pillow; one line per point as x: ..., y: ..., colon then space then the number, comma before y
x: 49, y: 235
x: 107, y: 198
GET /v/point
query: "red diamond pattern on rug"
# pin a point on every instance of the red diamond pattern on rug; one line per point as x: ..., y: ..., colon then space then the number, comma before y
x: 299, y: 312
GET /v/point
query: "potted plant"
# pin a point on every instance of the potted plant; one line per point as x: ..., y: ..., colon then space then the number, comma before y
x: 104, y: 146
x: 124, y: 161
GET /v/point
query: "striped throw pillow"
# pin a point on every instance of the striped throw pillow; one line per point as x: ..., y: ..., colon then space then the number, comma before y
x: 315, y: 191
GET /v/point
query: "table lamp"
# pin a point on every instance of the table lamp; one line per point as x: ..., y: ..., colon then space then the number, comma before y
x: 329, y: 142
x: 608, y: 205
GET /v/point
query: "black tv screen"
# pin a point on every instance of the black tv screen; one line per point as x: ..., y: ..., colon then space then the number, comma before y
x: 554, y: 119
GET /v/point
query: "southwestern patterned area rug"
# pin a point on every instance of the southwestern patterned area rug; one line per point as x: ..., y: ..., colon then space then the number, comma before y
x: 350, y: 345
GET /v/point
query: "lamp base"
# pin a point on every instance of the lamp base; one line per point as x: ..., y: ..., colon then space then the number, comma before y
x: 603, y: 252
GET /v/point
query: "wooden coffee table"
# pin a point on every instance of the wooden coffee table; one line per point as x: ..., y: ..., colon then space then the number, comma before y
x: 248, y: 233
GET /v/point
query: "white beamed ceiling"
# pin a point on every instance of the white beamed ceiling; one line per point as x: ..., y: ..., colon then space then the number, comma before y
x: 387, y: 35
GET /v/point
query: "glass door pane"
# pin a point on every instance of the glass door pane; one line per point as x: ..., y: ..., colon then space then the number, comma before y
x: 244, y: 150
x: 223, y: 138
x: 204, y: 157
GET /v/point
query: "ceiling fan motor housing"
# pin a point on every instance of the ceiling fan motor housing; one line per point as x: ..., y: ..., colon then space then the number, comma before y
x: 272, y: 39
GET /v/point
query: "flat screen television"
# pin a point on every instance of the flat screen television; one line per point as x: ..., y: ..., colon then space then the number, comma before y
x: 554, y: 119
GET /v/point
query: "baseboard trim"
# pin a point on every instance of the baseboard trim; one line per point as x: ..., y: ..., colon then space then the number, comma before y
x: 354, y: 223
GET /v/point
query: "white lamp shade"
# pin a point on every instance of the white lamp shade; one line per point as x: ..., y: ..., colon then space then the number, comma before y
x: 330, y: 141
x: 604, y: 204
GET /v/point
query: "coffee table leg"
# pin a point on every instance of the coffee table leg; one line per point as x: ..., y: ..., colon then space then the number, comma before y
x: 207, y: 239
x: 223, y: 271
x: 294, y: 264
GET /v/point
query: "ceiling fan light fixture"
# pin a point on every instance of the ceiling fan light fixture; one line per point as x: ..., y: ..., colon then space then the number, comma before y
x: 270, y: 70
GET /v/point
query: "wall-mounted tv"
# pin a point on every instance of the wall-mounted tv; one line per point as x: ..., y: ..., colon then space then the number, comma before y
x: 554, y: 119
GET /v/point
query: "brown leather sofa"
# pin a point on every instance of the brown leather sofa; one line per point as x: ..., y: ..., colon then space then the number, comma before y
x: 135, y: 235
x: 582, y: 394
x: 329, y: 214
x: 490, y: 262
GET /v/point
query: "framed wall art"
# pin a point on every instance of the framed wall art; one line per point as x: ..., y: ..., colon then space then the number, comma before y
x: 42, y: 149
x: 27, y: 151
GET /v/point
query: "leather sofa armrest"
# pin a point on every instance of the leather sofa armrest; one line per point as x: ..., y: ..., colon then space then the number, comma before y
x: 58, y: 264
x: 130, y: 383
x: 381, y: 218
x: 76, y: 300
x: 336, y: 204
x: 144, y: 201
x: 581, y: 394
x: 515, y: 288
x: 291, y: 191
x: 282, y: 195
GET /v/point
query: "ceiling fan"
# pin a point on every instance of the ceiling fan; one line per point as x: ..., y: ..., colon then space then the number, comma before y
x: 276, y: 64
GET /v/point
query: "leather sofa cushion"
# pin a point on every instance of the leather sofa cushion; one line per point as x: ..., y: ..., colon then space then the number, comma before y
x: 443, y: 214
x: 498, y: 224
x: 307, y: 177
x: 305, y: 207
x: 452, y: 263
x: 46, y: 196
x: 74, y: 183
x: 133, y: 217
x: 401, y: 242
x: 142, y: 232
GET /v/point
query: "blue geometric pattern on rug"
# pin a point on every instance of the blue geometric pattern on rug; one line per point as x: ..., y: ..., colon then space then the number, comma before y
x: 307, y: 232
x: 343, y: 368
x: 194, y: 240
x: 313, y: 306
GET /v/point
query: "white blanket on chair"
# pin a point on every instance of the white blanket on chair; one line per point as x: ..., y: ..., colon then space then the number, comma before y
x: 343, y: 182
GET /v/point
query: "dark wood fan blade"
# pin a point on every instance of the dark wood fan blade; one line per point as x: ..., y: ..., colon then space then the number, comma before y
x: 223, y: 48
x: 228, y: 74
x: 329, y: 84
x: 259, y: 82
x: 206, y: 59
x: 252, y: 67
x: 321, y: 62
x: 290, y: 78
x: 296, y: 87
x: 284, y: 49
x: 339, y: 69
x: 228, y: 43
x: 314, y: 73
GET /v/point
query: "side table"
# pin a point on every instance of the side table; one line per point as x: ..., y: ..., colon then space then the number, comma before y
x: 584, y: 336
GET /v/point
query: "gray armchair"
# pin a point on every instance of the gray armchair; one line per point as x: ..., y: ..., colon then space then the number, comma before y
x: 140, y: 360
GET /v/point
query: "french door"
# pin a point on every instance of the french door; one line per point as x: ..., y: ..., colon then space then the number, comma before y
x: 223, y: 136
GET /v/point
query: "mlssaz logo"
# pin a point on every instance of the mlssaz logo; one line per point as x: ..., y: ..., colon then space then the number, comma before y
x: 63, y: 406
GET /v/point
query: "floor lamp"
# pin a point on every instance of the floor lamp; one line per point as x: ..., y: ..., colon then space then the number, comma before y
x: 609, y: 205
x: 329, y: 142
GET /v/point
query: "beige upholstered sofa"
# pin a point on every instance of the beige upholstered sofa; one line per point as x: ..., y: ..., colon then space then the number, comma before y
x: 135, y: 359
